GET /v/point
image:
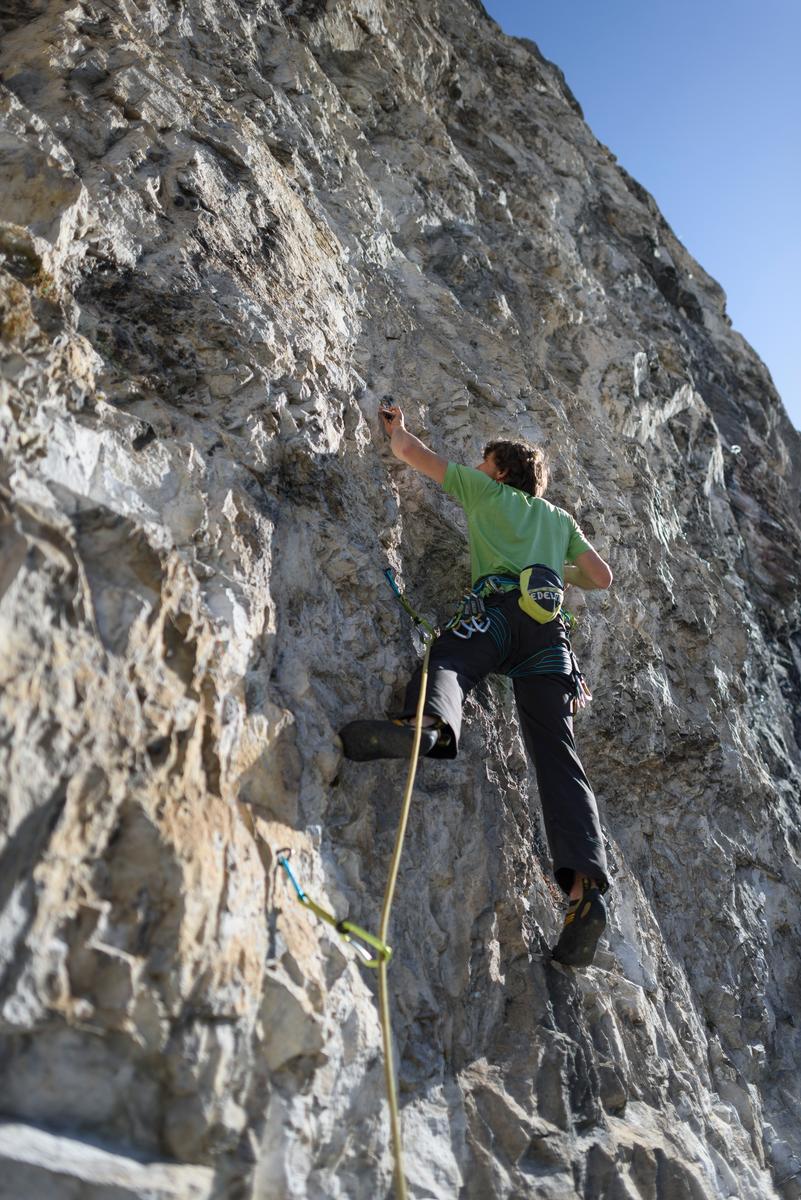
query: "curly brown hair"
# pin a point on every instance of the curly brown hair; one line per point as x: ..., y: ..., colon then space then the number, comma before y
x: 525, y: 465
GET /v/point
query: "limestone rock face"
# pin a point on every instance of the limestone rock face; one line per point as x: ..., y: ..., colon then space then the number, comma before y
x: 227, y: 231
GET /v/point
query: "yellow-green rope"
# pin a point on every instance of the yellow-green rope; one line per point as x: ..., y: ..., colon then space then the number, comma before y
x: 389, y: 893
x: 355, y: 934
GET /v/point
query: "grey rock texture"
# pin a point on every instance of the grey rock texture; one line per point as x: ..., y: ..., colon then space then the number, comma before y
x: 227, y: 231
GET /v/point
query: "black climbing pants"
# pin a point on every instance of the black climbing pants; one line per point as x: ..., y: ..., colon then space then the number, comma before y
x: 511, y: 646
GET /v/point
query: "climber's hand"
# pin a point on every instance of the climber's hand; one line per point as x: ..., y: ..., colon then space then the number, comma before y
x: 392, y: 416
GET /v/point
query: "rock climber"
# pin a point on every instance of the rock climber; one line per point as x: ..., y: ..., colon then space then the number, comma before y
x: 518, y: 631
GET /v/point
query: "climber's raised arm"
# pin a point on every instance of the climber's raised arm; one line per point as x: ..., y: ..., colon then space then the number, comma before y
x: 410, y: 449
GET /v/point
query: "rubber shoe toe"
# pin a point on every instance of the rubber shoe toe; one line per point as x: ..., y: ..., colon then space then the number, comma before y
x: 364, y: 741
x: 585, y: 921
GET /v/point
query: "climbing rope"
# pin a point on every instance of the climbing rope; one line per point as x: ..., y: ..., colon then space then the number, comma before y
x: 359, y: 938
x: 389, y: 893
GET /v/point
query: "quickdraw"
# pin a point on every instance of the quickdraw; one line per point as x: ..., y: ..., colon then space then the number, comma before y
x: 359, y: 938
x: 419, y: 621
x: 470, y: 617
x: 582, y: 694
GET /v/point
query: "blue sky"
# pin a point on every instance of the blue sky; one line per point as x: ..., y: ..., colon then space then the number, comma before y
x: 701, y: 102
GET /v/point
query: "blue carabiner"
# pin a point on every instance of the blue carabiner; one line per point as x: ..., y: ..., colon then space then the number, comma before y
x: 283, y: 861
x: 389, y: 575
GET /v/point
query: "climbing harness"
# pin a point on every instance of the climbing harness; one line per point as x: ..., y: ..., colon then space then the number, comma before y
x: 541, y: 597
x: 359, y: 938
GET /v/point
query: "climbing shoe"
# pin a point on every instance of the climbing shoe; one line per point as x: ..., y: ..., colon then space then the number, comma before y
x: 585, y: 921
x: 365, y: 740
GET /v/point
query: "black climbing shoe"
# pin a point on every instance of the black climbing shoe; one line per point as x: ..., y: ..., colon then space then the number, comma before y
x: 585, y: 921
x: 366, y: 740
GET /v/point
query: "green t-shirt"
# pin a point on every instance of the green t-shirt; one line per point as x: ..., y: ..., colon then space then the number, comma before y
x: 508, y: 529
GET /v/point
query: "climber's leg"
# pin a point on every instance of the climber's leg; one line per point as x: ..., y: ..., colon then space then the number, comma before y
x: 569, y: 811
x: 568, y: 804
x: 364, y: 741
x: 455, y: 666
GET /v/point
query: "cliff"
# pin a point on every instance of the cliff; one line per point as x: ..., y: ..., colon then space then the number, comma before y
x: 228, y: 231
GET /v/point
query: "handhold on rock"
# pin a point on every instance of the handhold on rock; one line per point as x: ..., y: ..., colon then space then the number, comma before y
x: 147, y: 435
